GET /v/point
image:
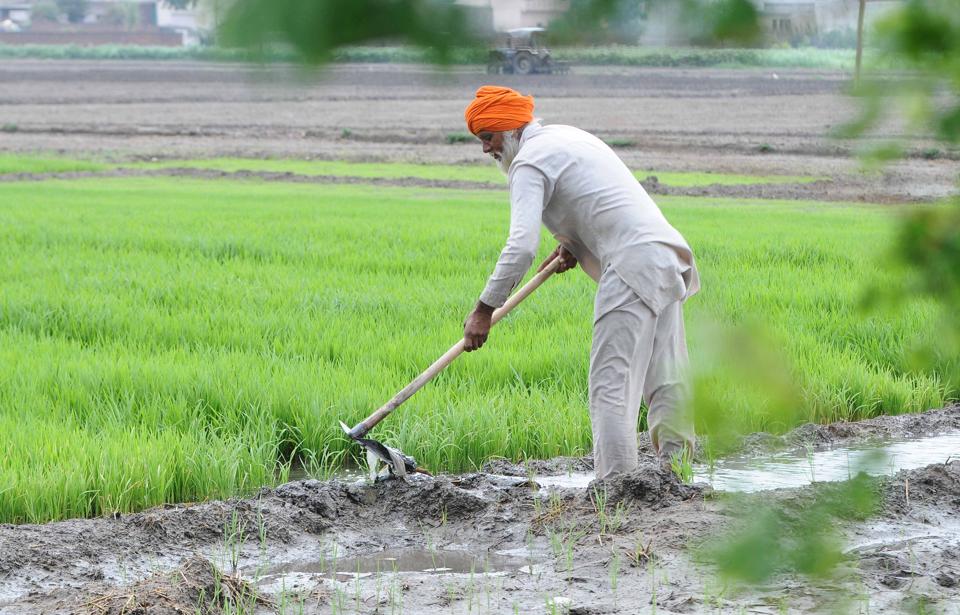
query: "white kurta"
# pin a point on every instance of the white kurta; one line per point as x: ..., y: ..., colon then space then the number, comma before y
x: 575, y: 185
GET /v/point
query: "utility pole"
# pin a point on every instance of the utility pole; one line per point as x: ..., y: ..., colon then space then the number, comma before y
x: 863, y: 8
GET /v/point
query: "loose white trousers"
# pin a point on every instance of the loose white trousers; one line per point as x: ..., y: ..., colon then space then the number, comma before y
x: 636, y: 355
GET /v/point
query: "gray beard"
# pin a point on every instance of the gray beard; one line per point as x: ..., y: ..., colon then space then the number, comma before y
x: 511, y: 147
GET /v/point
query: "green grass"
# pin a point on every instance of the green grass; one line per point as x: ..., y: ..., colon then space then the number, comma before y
x: 476, y: 173
x: 685, y: 179
x: 622, y: 55
x: 164, y: 339
x: 392, y: 170
x: 10, y: 163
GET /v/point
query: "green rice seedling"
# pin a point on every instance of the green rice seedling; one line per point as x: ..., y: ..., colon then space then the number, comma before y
x: 395, y: 593
x: 556, y: 542
x: 471, y: 588
x: 356, y: 589
x: 614, y: 571
x: 334, y: 556
x: 233, y: 539
x: 652, y: 573
x: 810, y: 462
x: 681, y: 464
x: 606, y: 522
x: 641, y: 553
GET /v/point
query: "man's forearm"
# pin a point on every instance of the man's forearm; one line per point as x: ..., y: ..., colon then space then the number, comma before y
x: 509, y: 271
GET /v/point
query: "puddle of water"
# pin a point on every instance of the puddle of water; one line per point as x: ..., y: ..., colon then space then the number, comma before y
x: 405, y: 561
x: 577, y: 480
x: 791, y: 470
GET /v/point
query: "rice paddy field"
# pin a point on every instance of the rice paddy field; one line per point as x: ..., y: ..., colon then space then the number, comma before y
x: 206, y: 266
x: 170, y: 339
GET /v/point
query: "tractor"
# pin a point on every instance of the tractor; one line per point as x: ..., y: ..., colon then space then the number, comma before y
x: 522, y: 53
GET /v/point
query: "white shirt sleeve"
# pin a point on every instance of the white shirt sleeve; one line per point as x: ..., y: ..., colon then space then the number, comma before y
x: 530, y: 191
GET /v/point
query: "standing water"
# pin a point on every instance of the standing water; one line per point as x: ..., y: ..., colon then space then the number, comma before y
x: 796, y: 469
x: 749, y: 473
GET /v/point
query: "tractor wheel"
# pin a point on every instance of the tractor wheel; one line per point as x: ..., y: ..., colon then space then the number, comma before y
x: 523, y: 63
x: 494, y: 68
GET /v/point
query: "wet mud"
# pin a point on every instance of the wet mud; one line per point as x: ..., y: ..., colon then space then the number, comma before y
x: 495, y: 541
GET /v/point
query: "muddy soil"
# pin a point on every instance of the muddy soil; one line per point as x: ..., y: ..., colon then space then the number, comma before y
x: 735, y: 121
x: 494, y: 542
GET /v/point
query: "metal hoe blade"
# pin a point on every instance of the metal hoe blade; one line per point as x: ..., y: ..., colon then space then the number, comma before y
x: 397, y: 463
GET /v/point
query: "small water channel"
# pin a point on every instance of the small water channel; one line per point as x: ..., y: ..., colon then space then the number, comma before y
x: 798, y: 468
x: 429, y: 561
x: 750, y: 473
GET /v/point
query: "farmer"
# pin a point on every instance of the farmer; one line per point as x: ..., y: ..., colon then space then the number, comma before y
x: 575, y: 185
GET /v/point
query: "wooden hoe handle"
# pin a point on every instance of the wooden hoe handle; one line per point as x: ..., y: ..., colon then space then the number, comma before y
x: 428, y: 374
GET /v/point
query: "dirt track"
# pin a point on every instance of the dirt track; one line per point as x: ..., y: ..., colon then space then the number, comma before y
x: 493, y: 543
x: 735, y: 121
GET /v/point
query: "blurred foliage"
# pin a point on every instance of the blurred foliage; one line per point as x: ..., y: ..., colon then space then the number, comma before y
x: 924, y: 37
x: 794, y: 536
x: 702, y: 22
x: 316, y: 28
x: 929, y: 242
x: 743, y: 356
x: 612, y: 22
x: 722, y: 22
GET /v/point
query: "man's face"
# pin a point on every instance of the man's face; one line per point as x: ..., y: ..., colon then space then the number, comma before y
x: 501, y: 146
x: 492, y: 143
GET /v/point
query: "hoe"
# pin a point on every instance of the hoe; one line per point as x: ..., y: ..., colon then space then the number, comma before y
x: 396, y: 463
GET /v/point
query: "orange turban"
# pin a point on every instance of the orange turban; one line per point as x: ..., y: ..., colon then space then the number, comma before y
x: 497, y: 109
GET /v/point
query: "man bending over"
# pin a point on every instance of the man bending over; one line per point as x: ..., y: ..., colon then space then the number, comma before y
x: 574, y: 184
